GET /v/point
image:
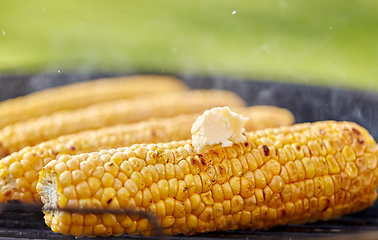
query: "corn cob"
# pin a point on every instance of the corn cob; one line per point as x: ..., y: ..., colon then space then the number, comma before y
x: 30, y: 160
x: 287, y: 175
x: 29, y: 133
x: 79, y: 95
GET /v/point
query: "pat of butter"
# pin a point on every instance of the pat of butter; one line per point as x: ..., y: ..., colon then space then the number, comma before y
x: 218, y: 127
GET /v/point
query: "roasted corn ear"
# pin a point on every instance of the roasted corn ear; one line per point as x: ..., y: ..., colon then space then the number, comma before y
x: 18, y: 183
x: 29, y: 133
x: 286, y: 175
x: 83, y: 94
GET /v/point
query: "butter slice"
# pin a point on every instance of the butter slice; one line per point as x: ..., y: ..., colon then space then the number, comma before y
x: 218, y: 127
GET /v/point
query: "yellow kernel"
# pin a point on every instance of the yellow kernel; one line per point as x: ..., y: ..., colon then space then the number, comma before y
x: 356, y: 185
x: 163, y: 188
x: 131, y: 187
x: 16, y: 170
x: 126, y: 168
x: 107, y: 180
x: 147, y: 198
x: 182, y: 192
x: 70, y: 192
x: 348, y: 153
x: 78, y: 176
x: 138, y: 179
x: 94, y: 184
x: 31, y: 176
x: 267, y: 173
x: 77, y: 219
x: 309, y: 185
x: 64, y: 217
x: 87, y: 167
x: 371, y: 160
x: 72, y: 164
x: 147, y: 176
x: 274, y: 167
x: 198, y: 184
x: 217, y: 193
x: 235, y: 185
x: 252, y: 164
x: 173, y: 187
x: 161, y: 170
x: 65, y: 178
x: 300, y: 170
x: 333, y: 166
x: 246, y: 188
x: 277, y: 184
x: 361, y: 163
x: 98, y: 172
x: 309, y: 167
x: 328, y: 186
x: 292, y: 171
x: 189, y: 180
x: 60, y: 167
x: 169, y: 205
x: 83, y: 190
x: 237, y: 204
x: 318, y: 186
x: 169, y: 171
x: 259, y: 178
x: 160, y: 209
x: 108, y: 219
x: 206, y: 182
x: 179, y: 211
x: 107, y: 196
x: 236, y: 167
x: 111, y: 168
x: 167, y: 222
x: 127, y: 222
x: 154, y: 173
x: 155, y: 192
x: 284, y: 175
x: 118, y: 158
x: 27, y: 165
x: 122, y: 177
x: 351, y: 170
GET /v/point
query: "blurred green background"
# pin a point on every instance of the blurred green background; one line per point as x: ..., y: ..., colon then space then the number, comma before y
x: 329, y: 43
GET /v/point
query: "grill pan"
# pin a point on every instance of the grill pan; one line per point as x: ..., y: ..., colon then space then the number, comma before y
x: 307, y: 103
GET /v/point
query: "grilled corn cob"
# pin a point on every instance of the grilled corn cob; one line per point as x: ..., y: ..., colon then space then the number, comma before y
x: 19, y: 184
x: 293, y: 175
x: 29, y: 133
x: 78, y: 95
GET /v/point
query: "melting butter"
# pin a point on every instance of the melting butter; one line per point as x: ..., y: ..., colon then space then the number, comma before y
x: 218, y: 127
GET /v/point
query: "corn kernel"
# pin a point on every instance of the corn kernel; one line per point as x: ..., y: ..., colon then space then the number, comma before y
x: 351, y: 170
x: 277, y: 184
x: 259, y: 178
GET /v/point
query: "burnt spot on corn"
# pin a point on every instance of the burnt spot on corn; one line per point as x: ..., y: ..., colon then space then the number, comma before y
x: 110, y: 200
x: 298, y: 147
x: 72, y: 148
x: 153, y: 133
x: 202, y: 160
x: 361, y: 141
x: 321, y: 131
x: 246, y: 144
x: 356, y: 131
x: 266, y: 150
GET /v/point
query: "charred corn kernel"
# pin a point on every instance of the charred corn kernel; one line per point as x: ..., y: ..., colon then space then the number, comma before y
x: 305, y: 189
